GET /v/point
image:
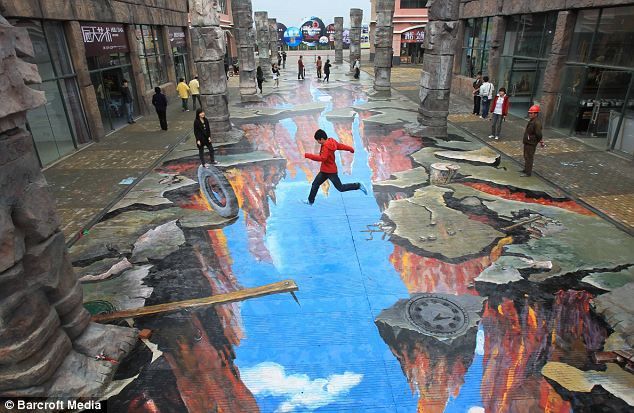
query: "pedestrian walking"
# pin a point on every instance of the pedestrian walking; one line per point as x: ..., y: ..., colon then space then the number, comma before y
x: 300, y: 68
x: 476, y: 93
x: 486, y: 94
x: 357, y: 68
x: 276, y: 74
x: 532, y: 137
x: 318, y: 64
x: 194, y: 89
x: 202, y: 133
x: 328, y: 169
x: 127, y: 101
x: 183, y: 93
x: 499, y: 111
x: 327, y: 71
x: 279, y: 58
x: 259, y: 76
x: 283, y: 59
x: 160, y: 104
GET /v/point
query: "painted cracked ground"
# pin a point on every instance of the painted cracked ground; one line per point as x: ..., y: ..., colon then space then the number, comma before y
x: 517, y: 335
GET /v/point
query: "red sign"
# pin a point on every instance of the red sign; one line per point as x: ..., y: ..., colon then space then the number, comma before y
x: 177, y: 37
x: 104, y: 38
x: 413, y: 36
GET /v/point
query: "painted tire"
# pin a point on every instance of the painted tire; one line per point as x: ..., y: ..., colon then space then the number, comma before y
x: 218, y: 191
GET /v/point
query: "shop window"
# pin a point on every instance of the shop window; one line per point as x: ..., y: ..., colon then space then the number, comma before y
x: 151, y: 55
x: 614, y: 37
x: 413, y: 4
x: 477, y: 37
x: 582, y: 37
x: 222, y: 5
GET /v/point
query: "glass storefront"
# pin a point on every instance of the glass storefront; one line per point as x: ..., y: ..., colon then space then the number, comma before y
x: 596, y: 99
x: 109, y: 65
x: 151, y: 54
x: 527, y: 43
x: 59, y: 126
x: 179, y: 51
x: 412, y: 46
x: 475, y: 54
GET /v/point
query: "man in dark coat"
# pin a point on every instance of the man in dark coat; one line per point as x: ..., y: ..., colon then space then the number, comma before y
x: 532, y: 137
x: 160, y: 104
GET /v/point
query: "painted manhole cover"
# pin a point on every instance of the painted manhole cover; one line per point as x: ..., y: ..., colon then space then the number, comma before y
x: 437, y: 316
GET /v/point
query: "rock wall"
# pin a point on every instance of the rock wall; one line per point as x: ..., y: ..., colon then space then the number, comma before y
x: 356, y: 16
x: 47, y: 342
x: 338, y: 40
x: 263, y: 34
x: 273, y: 41
x: 383, y: 45
x: 245, y: 33
x: 208, y: 49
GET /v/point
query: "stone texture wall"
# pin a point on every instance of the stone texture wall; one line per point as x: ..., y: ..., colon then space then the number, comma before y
x: 272, y: 42
x: 356, y: 17
x: 263, y: 34
x: 245, y: 35
x: 208, y: 50
x: 47, y: 342
x: 338, y: 40
x: 383, y: 45
x: 482, y: 8
x: 496, y: 45
x: 161, y: 12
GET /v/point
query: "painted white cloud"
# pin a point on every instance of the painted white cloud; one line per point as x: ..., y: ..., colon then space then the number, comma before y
x: 476, y: 409
x: 299, y: 391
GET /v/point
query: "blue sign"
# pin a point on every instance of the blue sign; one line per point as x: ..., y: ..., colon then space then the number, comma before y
x: 293, y: 36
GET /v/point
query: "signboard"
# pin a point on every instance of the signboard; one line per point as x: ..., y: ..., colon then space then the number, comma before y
x: 281, y: 28
x: 312, y: 30
x: 330, y: 33
x: 413, y: 36
x: 177, y: 37
x: 104, y: 38
x: 346, y: 36
x: 365, y: 36
x: 293, y: 36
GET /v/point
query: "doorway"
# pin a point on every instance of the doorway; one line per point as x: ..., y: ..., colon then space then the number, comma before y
x: 525, y: 84
x: 108, y: 84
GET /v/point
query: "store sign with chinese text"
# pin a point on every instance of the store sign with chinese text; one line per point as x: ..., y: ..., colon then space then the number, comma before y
x: 177, y: 37
x: 104, y: 38
x: 413, y: 36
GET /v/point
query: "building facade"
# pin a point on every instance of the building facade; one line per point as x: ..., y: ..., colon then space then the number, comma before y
x: 84, y: 51
x: 570, y: 57
x: 410, y: 18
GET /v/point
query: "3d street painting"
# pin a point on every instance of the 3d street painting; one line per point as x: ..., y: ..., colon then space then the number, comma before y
x: 417, y: 298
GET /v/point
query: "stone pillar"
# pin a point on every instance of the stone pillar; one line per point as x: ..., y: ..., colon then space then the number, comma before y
x: 169, y: 56
x: 435, y: 83
x: 47, y: 342
x: 191, y: 67
x: 496, y: 45
x: 77, y: 51
x: 262, y: 31
x: 356, y: 16
x: 272, y: 42
x: 208, y: 48
x: 338, y: 40
x: 245, y: 36
x: 140, y: 105
x: 383, y: 45
x: 564, y: 30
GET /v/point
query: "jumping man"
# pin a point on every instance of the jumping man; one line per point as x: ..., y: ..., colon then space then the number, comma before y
x: 328, y: 168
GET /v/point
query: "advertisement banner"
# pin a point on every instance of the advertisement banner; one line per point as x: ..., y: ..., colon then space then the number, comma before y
x: 312, y: 30
x: 104, y: 38
x: 281, y: 28
x: 413, y: 36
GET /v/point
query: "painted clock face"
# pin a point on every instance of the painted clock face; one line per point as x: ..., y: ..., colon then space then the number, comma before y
x: 437, y: 316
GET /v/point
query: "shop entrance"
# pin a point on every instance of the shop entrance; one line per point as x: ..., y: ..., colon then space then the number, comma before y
x: 108, y: 84
x: 591, y: 106
x: 525, y: 84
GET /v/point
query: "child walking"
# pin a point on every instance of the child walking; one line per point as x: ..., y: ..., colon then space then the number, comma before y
x: 328, y: 168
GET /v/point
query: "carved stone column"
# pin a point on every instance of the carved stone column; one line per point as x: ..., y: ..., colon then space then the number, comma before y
x: 356, y: 16
x: 47, y: 342
x: 383, y: 46
x: 440, y: 44
x: 338, y: 40
x: 208, y: 48
x: 262, y: 31
x: 245, y: 36
x: 273, y: 41
x: 498, y: 31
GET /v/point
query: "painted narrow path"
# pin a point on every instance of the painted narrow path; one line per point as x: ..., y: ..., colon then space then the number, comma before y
x: 412, y: 299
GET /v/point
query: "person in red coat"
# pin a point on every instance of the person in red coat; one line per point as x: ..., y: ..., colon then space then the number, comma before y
x: 499, y: 109
x: 328, y: 168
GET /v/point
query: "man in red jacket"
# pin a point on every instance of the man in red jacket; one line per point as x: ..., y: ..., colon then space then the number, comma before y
x: 328, y: 168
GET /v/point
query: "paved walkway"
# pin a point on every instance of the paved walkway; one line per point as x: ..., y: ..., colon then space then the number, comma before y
x: 601, y: 180
x: 87, y: 182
